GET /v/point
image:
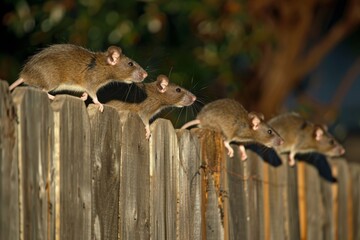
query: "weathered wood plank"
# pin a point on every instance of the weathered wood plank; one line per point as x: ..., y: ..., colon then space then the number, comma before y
x: 310, y: 202
x: 72, y: 164
x: 190, y: 207
x: 292, y: 202
x: 283, y: 199
x: 329, y: 198
x: 212, y: 158
x: 277, y: 175
x: 245, y: 194
x: 106, y: 156
x: 214, y: 212
x: 355, y: 195
x: 284, y: 216
x: 9, y: 188
x: 164, y: 165
x: 342, y: 196
x: 134, y: 180
x: 34, y: 133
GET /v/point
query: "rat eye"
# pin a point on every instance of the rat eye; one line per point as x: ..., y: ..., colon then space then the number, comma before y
x: 178, y: 90
x: 269, y: 131
x: 130, y: 64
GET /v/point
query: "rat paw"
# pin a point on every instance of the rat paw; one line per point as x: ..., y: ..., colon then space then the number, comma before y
x: 148, y: 133
x: 291, y: 159
x: 96, y: 101
x: 51, y: 97
x: 230, y: 152
x: 243, y: 157
x: 291, y: 163
x: 84, y: 96
x: 101, y: 107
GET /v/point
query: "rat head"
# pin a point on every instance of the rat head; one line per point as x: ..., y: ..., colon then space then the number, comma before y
x: 123, y: 68
x: 172, y: 94
x: 317, y: 138
x: 261, y: 132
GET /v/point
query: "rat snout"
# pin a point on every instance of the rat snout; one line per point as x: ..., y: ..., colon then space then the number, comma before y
x: 278, y: 141
x: 144, y: 75
x: 139, y: 75
x: 188, y: 99
x: 341, y: 151
x: 193, y: 98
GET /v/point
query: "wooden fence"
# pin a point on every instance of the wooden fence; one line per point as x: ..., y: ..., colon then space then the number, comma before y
x: 71, y: 172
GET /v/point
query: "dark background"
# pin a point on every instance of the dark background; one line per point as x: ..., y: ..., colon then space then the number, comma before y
x: 272, y: 56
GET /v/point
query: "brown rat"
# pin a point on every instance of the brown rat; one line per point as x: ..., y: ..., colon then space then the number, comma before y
x: 160, y: 94
x: 71, y: 67
x: 231, y: 119
x: 303, y: 136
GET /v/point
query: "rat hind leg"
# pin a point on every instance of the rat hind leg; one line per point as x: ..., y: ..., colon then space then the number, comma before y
x: 96, y: 101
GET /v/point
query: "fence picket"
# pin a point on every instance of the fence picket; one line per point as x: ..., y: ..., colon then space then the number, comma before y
x: 71, y: 172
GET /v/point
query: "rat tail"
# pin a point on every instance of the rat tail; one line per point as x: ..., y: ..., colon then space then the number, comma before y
x: 191, y: 123
x: 16, y: 83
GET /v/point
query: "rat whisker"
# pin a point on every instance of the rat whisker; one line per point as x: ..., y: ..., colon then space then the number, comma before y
x: 171, y: 68
x: 200, y: 101
x: 168, y: 112
x: 177, y: 120
x: 128, y: 92
x: 203, y: 88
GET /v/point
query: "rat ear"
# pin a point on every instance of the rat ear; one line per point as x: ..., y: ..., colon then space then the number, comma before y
x: 162, y: 82
x: 255, y: 120
x: 318, y: 133
x: 259, y: 115
x: 113, y: 55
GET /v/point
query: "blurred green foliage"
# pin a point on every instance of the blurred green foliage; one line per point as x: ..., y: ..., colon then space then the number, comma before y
x: 205, y: 40
x: 207, y: 46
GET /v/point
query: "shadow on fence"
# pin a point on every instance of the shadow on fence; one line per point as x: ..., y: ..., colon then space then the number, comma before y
x: 71, y: 172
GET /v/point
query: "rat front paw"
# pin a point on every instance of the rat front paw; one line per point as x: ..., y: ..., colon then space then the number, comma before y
x: 84, y: 96
x: 291, y: 162
x: 101, y: 107
x: 230, y: 152
x: 148, y: 133
x: 243, y: 155
x: 51, y: 97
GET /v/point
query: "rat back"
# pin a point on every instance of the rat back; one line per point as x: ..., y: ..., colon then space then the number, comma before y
x: 71, y: 67
x: 60, y: 63
x: 154, y: 97
x: 224, y: 115
x: 231, y: 119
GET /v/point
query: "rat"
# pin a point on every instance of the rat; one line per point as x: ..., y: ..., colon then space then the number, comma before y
x: 71, y: 67
x: 303, y: 136
x: 236, y: 124
x: 159, y: 95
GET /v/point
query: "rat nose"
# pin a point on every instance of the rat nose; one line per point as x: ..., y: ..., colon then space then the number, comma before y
x: 194, y: 98
x: 144, y: 75
x: 281, y: 141
x: 342, y: 151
